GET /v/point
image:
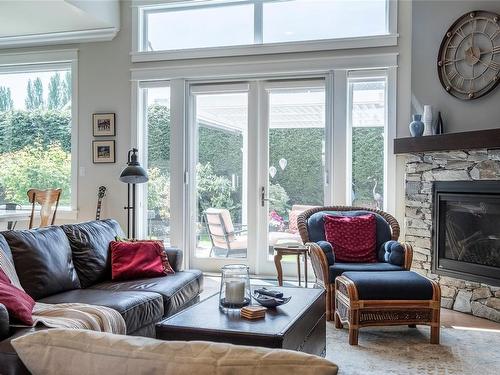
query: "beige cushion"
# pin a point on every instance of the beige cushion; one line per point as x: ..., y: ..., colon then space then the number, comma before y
x: 75, y: 352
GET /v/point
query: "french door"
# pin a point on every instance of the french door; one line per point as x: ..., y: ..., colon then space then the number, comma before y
x: 257, y: 157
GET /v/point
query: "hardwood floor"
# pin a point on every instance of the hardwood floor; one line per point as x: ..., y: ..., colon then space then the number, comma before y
x: 450, y: 318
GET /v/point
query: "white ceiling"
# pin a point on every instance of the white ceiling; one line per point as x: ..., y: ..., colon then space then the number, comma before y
x: 23, y: 18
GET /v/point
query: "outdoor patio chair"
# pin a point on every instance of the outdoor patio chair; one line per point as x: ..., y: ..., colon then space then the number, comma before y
x: 222, y: 233
x: 225, y: 238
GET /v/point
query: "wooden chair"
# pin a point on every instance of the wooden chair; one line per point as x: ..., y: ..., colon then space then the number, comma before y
x: 48, y: 200
x: 326, y: 269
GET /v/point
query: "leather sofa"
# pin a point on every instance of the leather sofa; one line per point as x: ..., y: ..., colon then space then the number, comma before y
x: 71, y: 263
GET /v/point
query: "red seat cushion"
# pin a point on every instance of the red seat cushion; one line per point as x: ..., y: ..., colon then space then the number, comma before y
x: 138, y: 259
x: 353, y: 238
x: 18, y: 303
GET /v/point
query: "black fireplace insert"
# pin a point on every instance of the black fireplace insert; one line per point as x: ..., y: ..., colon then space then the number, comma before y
x: 466, y: 233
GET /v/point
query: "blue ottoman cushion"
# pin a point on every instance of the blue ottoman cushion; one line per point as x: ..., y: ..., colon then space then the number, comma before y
x: 339, y: 268
x: 398, y: 285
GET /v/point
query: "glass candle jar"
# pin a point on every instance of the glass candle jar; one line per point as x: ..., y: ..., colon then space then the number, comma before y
x: 235, y: 287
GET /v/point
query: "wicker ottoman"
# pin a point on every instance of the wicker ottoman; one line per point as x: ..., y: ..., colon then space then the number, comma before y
x: 365, y: 299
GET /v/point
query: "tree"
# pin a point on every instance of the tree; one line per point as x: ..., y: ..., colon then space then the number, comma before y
x: 6, y: 102
x: 55, y: 97
x: 30, y: 96
x: 213, y: 191
x: 19, y: 129
x: 34, y: 94
x: 38, y: 89
x: 66, y: 89
x: 35, y: 167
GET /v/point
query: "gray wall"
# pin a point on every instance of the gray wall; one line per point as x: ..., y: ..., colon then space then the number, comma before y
x: 430, y: 20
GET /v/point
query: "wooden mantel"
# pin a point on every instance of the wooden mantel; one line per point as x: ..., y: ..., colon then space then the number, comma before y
x: 448, y: 142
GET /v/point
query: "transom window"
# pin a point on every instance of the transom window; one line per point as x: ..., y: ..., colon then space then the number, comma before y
x: 203, y: 24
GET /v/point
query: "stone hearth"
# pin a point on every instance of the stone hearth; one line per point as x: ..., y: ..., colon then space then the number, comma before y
x: 421, y: 170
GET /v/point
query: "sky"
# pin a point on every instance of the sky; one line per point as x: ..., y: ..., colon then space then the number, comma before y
x: 17, y: 82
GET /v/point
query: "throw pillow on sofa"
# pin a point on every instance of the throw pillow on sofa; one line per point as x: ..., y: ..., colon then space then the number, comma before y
x: 354, y: 238
x: 18, y: 303
x: 138, y: 259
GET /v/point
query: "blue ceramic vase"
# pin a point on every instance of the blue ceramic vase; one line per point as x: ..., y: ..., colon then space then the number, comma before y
x: 417, y: 126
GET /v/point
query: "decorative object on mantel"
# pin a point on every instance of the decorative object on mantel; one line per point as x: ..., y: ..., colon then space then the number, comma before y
x: 103, y: 152
x: 439, y: 125
x: 103, y: 124
x: 469, y: 55
x: 417, y: 126
x: 427, y: 120
x: 132, y: 174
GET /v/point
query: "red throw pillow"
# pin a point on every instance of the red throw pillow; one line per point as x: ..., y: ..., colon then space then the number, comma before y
x: 138, y: 259
x: 354, y: 238
x: 18, y: 303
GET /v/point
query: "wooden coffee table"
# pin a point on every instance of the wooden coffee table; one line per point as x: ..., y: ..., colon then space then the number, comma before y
x: 299, y: 325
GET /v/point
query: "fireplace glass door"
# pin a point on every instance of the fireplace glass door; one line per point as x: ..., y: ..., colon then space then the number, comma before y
x: 468, y: 236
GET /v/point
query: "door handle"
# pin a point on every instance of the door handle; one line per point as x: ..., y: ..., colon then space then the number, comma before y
x: 263, y: 198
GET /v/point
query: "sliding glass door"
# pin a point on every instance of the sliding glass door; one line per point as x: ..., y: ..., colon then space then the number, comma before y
x: 295, y: 138
x: 219, y: 165
x: 233, y: 164
x: 245, y: 196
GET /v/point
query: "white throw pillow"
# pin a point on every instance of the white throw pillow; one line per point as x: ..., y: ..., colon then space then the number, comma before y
x: 75, y: 352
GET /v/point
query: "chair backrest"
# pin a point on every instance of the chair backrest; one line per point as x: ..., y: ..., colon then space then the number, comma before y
x: 302, y: 220
x: 294, y: 213
x: 220, y: 226
x: 48, y: 200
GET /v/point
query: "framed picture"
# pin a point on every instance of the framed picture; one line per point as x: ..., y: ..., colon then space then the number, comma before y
x: 103, y: 151
x: 103, y: 124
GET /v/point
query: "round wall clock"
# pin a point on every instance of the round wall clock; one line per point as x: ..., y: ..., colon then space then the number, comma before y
x: 469, y: 56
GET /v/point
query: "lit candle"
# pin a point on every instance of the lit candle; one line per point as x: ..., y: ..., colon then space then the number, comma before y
x: 235, y: 292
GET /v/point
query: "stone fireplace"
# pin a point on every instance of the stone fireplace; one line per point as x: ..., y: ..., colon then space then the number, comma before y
x: 442, y: 192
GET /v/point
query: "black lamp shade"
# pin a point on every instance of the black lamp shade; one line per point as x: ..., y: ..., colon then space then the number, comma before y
x: 133, y: 172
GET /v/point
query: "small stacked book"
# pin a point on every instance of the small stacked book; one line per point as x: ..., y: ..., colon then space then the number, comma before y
x: 253, y: 312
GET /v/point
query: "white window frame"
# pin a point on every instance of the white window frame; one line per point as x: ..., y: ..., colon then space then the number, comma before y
x: 38, y: 61
x: 359, y: 76
x: 335, y: 71
x: 140, y: 8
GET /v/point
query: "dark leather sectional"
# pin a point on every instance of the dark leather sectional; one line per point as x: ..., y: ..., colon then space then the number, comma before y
x: 71, y: 263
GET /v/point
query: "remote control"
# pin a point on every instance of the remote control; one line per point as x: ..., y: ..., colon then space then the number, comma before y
x: 271, y: 293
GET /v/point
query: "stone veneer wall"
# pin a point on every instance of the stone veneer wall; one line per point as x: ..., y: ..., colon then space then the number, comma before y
x: 421, y: 170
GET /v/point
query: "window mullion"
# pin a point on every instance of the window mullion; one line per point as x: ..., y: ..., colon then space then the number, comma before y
x: 258, y: 22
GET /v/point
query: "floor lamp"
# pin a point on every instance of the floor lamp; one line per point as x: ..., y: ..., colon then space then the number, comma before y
x: 132, y: 174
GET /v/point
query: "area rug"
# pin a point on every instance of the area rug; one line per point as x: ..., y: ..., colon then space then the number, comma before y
x: 403, y: 350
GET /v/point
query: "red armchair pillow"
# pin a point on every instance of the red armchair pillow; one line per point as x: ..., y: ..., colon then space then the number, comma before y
x: 354, y: 238
x: 18, y: 303
x: 138, y: 259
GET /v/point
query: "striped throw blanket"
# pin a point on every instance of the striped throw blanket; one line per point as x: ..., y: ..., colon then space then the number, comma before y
x: 69, y: 315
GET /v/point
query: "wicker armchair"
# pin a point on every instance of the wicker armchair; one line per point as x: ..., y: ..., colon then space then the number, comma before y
x: 325, y: 267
